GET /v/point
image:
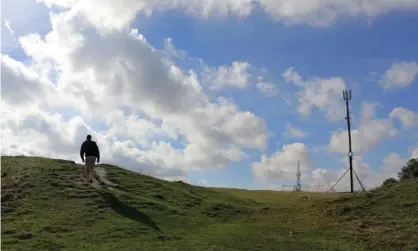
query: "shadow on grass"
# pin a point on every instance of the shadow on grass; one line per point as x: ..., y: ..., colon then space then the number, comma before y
x: 128, y: 211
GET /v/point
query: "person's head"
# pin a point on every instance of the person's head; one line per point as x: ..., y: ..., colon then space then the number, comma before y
x: 88, y: 137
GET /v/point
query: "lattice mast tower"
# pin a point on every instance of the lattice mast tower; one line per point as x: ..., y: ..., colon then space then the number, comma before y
x: 298, y: 175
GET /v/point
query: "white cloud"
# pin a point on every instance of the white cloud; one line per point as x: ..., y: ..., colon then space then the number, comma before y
x: 18, y: 21
x: 370, y: 178
x: 391, y: 165
x: 111, y: 15
x: 407, y: 117
x: 401, y: 74
x: 140, y: 130
x: 270, y: 90
x: 328, y: 178
x: 152, y: 114
x: 368, y: 134
x: 236, y: 75
x: 203, y: 183
x: 8, y: 27
x: 292, y: 76
x: 52, y: 136
x: 283, y: 164
x: 322, y: 177
x: 327, y: 12
x: 389, y: 168
x: 414, y: 153
x: 172, y: 51
x: 143, y: 103
x: 368, y: 110
x: 324, y: 94
x: 21, y: 85
x: 267, y: 89
x: 295, y: 132
x: 361, y: 169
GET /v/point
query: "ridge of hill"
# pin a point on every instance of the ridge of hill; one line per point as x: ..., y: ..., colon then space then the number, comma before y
x: 47, y: 205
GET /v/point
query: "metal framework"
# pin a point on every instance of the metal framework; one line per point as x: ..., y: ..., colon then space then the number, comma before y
x: 298, y: 187
x: 347, y: 97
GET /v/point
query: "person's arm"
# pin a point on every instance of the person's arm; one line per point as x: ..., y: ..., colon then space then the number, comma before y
x: 97, y: 153
x: 82, y: 150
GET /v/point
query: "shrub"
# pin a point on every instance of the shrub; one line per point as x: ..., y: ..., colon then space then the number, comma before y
x: 409, y: 171
x: 389, y: 182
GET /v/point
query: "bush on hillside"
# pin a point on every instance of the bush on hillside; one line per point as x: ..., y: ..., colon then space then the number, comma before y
x: 389, y: 182
x: 409, y: 171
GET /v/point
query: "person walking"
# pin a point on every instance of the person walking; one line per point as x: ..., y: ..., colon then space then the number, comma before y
x: 90, y: 150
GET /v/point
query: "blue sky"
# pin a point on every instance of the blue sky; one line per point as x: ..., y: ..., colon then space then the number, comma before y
x: 357, y: 50
x: 350, y: 50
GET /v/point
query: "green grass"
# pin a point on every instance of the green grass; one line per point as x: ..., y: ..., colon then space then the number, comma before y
x: 47, y: 205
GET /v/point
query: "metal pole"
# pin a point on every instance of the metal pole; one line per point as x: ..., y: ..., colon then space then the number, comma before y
x: 347, y: 97
x: 350, y: 155
x: 361, y: 184
x: 338, y: 180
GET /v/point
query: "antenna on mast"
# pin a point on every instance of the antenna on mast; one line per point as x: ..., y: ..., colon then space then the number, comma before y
x: 298, y: 187
x: 347, y: 97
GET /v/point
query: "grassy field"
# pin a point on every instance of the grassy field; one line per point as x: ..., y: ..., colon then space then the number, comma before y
x: 47, y: 205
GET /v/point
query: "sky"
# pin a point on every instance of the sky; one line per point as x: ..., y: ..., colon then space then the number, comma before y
x: 220, y: 93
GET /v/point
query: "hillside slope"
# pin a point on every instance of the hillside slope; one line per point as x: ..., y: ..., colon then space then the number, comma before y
x: 47, y: 205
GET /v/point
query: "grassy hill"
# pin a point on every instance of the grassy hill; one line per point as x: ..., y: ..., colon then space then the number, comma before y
x: 47, y: 205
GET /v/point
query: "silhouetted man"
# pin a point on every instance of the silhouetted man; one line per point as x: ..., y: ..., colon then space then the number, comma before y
x: 91, y: 150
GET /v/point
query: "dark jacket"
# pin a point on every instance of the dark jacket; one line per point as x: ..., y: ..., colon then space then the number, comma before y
x: 89, y: 148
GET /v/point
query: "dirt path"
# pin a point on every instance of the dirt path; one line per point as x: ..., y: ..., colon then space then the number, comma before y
x: 96, y: 183
x: 100, y: 179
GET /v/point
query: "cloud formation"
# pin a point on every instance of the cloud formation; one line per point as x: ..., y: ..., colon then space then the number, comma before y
x: 88, y: 71
x: 390, y: 165
x: 283, y: 164
x: 110, y: 15
x: 266, y: 89
x: 400, y: 75
x: 364, y: 138
x: 407, y: 117
x: 323, y: 94
x: 292, y: 131
x: 236, y: 75
x: 132, y: 82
